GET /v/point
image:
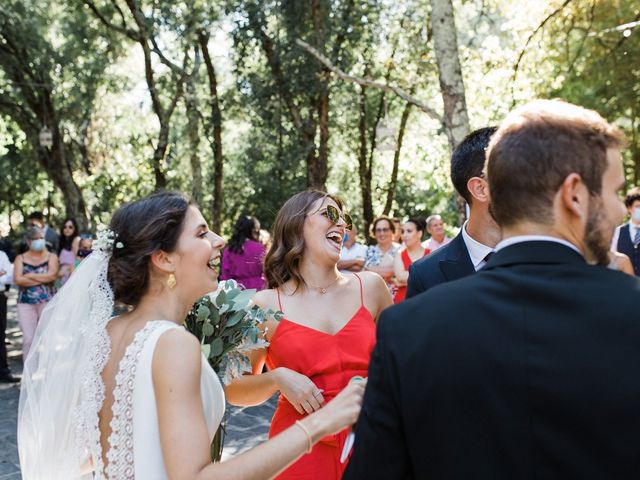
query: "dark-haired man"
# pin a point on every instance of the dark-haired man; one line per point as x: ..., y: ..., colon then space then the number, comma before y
x: 527, y: 369
x: 626, y: 238
x: 469, y: 250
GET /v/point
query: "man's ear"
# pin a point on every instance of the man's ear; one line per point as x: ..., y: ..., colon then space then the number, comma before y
x: 479, y: 189
x: 162, y: 261
x: 574, y: 195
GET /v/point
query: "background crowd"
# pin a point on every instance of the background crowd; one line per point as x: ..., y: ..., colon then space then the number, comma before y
x: 46, y: 258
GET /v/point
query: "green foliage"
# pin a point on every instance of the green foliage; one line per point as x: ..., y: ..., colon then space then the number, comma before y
x: 95, y: 78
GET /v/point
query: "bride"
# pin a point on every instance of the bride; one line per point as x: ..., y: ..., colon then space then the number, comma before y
x: 132, y: 396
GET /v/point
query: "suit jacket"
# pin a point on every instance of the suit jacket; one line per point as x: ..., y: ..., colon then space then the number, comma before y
x: 526, y: 370
x: 450, y: 262
x: 52, y: 239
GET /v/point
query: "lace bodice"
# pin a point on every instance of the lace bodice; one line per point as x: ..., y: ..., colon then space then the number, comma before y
x: 134, y: 443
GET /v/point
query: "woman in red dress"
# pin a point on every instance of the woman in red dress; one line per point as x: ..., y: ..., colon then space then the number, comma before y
x: 328, y: 330
x: 412, y: 232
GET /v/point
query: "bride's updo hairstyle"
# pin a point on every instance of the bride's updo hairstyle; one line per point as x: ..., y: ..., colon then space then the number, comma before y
x: 142, y: 227
x: 282, y: 262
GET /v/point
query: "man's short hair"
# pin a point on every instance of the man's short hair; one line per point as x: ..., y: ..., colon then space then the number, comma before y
x: 632, y: 196
x: 36, y: 216
x: 536, y: 147
x: 468, y: 159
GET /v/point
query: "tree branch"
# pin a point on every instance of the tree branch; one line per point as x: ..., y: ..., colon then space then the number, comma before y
x: 366, y: 82
x: 533, y: 34
x: 132, y: 34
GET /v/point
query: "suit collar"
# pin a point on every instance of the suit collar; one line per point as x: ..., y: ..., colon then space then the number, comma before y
x: 456, y: 263
x: 538, y: 252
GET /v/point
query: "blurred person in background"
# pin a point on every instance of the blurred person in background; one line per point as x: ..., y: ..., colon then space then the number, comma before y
x: 435, y: 228
x: 352, y: 253
x: 69, y: 244
x: 6, y: 274
x: 626, y: 237
x: 412, y: 232
x: 379, y: 258
x: 34, y: 271
x: 51, y: 237
x: 85, y: 247
x: 397, y: 232
x: 242, y: 260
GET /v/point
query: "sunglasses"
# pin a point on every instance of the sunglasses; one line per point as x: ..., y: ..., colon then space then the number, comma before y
x: 333, y: 214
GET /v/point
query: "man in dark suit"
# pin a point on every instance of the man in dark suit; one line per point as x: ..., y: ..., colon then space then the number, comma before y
x: 468, y: 251
x: 626, y: 238
x: 528, y: 369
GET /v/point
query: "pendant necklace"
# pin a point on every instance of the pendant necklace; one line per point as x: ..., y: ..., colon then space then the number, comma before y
x: 323, y: 290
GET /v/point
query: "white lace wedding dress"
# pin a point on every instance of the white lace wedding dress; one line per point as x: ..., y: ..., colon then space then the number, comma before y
x: 62, y: 391
x: 135, y: 450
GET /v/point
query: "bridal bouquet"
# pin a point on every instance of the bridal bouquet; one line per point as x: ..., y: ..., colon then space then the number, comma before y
x: 227, y: 326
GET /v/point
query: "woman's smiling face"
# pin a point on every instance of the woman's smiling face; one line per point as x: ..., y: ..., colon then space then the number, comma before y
x: 322, y: 237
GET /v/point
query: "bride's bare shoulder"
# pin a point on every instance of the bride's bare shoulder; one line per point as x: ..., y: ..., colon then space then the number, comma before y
x: 177, y: 354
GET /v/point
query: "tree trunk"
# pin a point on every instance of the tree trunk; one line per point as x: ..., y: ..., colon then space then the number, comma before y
x: 216, y: 128
x: 193, y: 128
x: 317, y: 173
x: 393, y: 182
x: 55, y: 163
x: 364, y: 166
x: 445, y: 43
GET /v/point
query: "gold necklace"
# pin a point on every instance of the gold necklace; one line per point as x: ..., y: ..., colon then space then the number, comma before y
x: 323, y: 290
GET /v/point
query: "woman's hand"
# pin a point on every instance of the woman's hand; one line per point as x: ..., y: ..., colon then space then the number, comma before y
x: 299, y: 390
x: 340, y: 412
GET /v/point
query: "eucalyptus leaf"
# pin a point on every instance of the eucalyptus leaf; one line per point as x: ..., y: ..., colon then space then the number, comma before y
x: 203, y: 312
x: 221, y: 299
x: 235, y: 318
x: 217, y: 346
x: 207, y: 329
x: 243, y: 298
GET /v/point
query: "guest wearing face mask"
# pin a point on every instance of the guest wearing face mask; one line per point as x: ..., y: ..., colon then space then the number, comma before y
x: 34, y: 271
x: 84, y: 248
x: 626, y: 237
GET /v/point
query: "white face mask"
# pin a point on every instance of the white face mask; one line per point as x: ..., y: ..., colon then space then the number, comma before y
x: 635, y: 214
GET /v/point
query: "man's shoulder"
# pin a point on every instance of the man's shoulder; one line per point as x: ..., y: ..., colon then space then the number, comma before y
x: 450, y: 250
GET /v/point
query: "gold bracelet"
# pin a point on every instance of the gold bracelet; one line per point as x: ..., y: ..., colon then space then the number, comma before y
x: 306, y: 432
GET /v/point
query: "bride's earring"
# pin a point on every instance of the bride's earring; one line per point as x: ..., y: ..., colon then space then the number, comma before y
x: 171, y: 281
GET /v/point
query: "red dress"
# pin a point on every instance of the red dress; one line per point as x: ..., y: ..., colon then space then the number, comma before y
x: 330, y: 361
x: 401, y: 292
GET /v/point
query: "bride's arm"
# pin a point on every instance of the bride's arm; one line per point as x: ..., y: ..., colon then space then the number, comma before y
x: 183, y: 432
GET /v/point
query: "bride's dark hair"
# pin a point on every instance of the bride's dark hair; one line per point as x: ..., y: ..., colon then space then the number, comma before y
x: 143, y: 227
x: 283, y: 259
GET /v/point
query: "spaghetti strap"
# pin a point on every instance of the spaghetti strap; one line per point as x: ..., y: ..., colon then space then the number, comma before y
x: 279, y: 302
x: 361, y: 294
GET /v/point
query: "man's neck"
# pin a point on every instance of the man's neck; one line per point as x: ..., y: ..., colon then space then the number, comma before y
x: 535, y: 229
x: 483, y: 229
x: 438, y: 239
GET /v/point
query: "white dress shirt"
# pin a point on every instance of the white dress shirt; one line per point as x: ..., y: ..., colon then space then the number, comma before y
x: 5, y: 266
x: 477, y: 251
x: 535, y: 238
x: 355, y: 252
x: 616, y: 235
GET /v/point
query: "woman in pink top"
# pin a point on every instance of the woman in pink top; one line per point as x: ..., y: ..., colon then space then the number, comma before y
x: 242, y: 260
